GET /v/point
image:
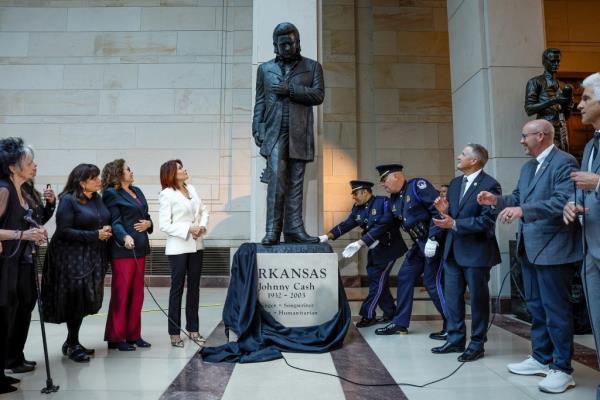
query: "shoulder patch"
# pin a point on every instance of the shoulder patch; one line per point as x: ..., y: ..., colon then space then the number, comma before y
x: 421, y: 184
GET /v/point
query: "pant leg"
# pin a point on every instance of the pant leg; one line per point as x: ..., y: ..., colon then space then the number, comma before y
x: 411, y: 269
x: 116, y: 322
x: 292, y: 219
x: 430, y: 267
x: 591, y: 286
x: 277, y: 186
x: 21, y: 318
x: 378, y: 285
x: 477, y: 279
x: 541, y: 345
x: 454, y: 292
x: 178, y: 265
x: 4, y: 326
x: 192, y: 300
x: 136, y: 300
x: 555, y: 291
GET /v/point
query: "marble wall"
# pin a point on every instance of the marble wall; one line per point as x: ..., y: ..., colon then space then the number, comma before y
x: 146, y: 80
x: 387, y: 75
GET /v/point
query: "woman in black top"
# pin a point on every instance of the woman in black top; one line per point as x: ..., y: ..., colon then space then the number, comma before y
x: 131, y: 224
x: 41, y: 212
x: 77, y: 258
x: 16, y: 168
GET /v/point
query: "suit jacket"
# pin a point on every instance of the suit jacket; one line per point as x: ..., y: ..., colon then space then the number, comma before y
x: 125, y: 211
x: 176, y: 215
x: 542, y: 232
x: 473, y: 243
x: 306, y: 90
x: 590, y: 199
x: 378, y: 223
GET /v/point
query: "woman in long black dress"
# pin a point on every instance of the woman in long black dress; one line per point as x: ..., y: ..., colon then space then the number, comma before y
x: 77, y: 259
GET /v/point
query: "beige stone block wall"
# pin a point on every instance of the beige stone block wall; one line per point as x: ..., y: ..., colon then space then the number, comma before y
x: 387, y: 77
x: 146, y: 80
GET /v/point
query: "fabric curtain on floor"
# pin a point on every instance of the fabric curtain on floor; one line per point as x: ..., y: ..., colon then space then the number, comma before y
x: 260, y: 336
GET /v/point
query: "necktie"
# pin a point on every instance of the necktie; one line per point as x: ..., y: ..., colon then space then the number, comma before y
x: 533, y: 171
x: 595, y: 144
x: 463, y: 186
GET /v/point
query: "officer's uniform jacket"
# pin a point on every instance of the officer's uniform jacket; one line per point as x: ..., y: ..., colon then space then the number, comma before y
x: 377, y: 222
x: 413, y: 208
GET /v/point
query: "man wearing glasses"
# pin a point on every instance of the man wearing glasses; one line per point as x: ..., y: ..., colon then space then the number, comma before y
x: 549, y: 250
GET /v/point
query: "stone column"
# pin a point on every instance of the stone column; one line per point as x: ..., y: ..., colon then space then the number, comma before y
x: 305, y: 15
x: 495, y: 47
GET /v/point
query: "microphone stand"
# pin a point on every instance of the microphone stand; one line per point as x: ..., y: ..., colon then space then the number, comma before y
x: 50, y: 386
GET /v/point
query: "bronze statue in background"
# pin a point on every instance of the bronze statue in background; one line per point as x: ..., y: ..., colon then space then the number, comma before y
x: 287, y: 88
x: 550, y: 99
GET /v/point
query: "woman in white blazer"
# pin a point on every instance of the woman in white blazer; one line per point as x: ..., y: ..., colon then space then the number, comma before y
x: 184, y: 219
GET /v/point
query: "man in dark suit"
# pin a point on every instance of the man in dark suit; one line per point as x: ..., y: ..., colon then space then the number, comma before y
x: 549, y: 251
x: 588, y: 196
x: 470, y: 251
x: 381, y: 235
x: 287, y: 88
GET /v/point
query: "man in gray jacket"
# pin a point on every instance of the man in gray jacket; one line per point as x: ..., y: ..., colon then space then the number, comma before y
x: 549, y: 251
x: 287, y: 88
x: 588, y: 196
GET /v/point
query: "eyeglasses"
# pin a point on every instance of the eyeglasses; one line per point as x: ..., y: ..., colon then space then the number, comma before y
x: 524, y: 135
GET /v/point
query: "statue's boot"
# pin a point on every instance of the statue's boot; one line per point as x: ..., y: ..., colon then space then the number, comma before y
x: 299, y: 235
x: 271, y: 238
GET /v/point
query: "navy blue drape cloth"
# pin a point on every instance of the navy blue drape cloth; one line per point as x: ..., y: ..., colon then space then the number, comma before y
x: 260, y: 336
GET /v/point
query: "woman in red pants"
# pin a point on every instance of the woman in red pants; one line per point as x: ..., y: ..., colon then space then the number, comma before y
x: 131, y: 224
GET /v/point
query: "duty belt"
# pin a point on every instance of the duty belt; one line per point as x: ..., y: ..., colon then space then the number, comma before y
x: 418, y: 231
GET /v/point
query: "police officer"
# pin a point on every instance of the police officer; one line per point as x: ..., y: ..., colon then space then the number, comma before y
x: 412, y: 205
x: 380, y: 233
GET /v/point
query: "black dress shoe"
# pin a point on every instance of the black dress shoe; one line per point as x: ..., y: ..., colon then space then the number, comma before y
x: 471, y: 355
x: 391, y: 329
x: 6, y: 388
x: 448, y: 348
x: 21, y: 369
x: 364, y: 322
x: 270, y: 239
x: 65, y: 348
x: 441, y: 335
x: 139, y: 343
x: 384, y: 320
x: 78, y: 354
x: 27, y: 362
x: 121, y: 346
x: 10, y: 380
x: 299, y: 236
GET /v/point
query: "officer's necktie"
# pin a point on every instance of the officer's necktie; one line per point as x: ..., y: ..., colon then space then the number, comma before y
x: 463, y: 186
x: 595, y: 144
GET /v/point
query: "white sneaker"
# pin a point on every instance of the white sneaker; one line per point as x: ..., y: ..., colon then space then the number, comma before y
x: 556, y: 382
x: 530, y: 366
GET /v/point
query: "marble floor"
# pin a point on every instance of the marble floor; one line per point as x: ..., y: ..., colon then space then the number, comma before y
x: 171, y: 373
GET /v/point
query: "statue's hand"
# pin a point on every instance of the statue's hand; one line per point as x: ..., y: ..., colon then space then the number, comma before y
x: 281, y: 88
x: 258, y: 140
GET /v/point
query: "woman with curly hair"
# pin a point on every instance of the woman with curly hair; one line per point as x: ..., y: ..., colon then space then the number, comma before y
x: 77, y: 258
x: 16, y: 294
x: 131, y: 225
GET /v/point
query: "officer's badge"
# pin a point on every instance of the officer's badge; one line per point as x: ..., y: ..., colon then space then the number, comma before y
x: 407, y: 198
x: 421, y: 184
x: 374, y: 212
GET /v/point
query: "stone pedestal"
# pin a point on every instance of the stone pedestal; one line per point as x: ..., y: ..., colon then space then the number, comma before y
x: 298, y: 283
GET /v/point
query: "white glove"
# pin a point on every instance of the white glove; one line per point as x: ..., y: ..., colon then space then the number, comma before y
x: 323, y: 239
x: 373, y: 245
x: 430, y: 248
x: 351, y: 249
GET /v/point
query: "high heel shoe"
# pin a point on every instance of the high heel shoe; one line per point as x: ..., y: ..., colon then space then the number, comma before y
x: 197, y: 338
x: 176, y: 341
